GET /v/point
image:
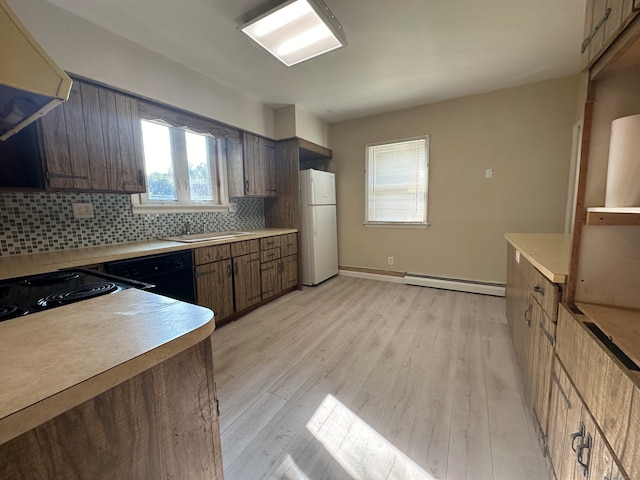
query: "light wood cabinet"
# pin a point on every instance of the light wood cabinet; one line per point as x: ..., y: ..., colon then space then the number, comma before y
x: 93, y: 142
x: 604, y: 21
x: 247, y: 284
x: 253, y: 173
x: 576, y: 448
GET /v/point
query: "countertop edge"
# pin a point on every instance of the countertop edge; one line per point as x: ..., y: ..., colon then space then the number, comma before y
x: 14, y: 266
x: 561, y: 248
x: 38, y: 413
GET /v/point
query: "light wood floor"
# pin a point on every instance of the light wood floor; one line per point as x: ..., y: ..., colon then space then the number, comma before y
x: 372, y: 380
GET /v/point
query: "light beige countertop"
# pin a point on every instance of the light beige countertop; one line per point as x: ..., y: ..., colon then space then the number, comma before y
x: 55, y: 360
x: 549, y: 252
x: 35, y: 263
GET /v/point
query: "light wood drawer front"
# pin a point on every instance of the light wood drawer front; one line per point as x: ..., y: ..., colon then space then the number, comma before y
x: 244, y: 248
x: 289, y: 244
x: 269, y: 255
x: 214, y: 253
x: 546, y: 293
x: 269, y: 242
x: 599, y: 377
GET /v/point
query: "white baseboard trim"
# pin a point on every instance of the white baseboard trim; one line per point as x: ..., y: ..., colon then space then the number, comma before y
x: 371, y: 276
x: 470, y: 286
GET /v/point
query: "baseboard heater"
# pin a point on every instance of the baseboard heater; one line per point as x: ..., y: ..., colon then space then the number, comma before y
x: 471, y: 286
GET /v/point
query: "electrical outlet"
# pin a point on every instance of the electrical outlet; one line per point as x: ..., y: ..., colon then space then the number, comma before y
x: 82, y: 210
x: 517, y: 256
x: 390, y: 260
x: 488, y: 173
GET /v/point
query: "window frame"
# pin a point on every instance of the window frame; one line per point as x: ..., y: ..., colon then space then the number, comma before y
x: 397, y: 224
x: 216, y: 144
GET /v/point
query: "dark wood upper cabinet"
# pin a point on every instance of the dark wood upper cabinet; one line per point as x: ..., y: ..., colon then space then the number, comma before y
x: 94, y: 142
x: 253, y: 172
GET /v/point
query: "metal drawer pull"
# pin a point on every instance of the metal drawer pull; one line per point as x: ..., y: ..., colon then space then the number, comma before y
x: 584, y: 464
x: 587, y: 41
x: 539, y: 289
x: 229, y: 270
x: 556, y: 380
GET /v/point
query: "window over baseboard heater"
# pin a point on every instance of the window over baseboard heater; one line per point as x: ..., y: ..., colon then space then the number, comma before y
x: 471, y: 286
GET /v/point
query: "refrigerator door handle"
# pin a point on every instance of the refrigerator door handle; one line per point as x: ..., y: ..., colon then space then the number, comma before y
x: 314, y: 225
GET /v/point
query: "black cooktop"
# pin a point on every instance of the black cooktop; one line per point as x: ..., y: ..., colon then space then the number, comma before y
x: 25, y: 295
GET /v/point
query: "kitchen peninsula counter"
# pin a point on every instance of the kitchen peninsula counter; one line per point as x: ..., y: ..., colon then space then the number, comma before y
x: 55, y: 360
x: 37, y: 263
x: 548, y: 252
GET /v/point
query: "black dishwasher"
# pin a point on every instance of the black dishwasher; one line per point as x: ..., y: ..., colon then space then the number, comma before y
x: 171, y: 273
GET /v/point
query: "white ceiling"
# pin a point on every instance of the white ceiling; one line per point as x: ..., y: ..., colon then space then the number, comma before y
x: 400, y: 53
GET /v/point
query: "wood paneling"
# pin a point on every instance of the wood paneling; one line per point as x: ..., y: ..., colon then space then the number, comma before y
x: 161, y: 423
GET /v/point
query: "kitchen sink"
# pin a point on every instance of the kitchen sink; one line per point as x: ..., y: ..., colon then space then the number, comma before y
x: 205, y: 237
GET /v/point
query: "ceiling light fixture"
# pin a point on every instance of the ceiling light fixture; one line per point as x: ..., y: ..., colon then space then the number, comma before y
x: 296, y: 31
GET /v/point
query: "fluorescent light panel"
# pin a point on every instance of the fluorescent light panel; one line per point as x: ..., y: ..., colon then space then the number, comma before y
x: 296, y: 31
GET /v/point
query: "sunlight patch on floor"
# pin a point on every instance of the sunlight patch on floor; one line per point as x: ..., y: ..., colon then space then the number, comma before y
x: 288, y: 470
x: 361, y: 451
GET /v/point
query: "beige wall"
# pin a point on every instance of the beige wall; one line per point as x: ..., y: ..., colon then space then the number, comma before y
x: 523, y: 133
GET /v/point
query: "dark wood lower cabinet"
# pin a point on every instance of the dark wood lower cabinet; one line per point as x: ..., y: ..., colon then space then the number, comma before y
x: 246, y: 281
x: 162, y: 423
x: 214, y: 288
x: 289, y: 272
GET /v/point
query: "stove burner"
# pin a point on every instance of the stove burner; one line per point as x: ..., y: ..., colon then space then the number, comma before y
x: 50, y: 278
x: 8, y: 312
x: 76, y: 294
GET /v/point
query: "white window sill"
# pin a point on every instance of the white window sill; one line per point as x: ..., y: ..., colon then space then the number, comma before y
x: 395, y: 225
x: 195, y: 208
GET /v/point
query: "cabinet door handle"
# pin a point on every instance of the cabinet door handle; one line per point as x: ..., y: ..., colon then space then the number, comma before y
x: 575, y: 436
x: 229, y: 270
x: 580, y: 457
x: 247, y: 186
x: 528, y: 319
x: 538, y: 289
x: 140, y: 177
x: 587, y: 41
x: 235, y: 268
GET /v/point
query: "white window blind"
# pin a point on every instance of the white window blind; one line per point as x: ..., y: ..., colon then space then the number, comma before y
x: 397, y: 174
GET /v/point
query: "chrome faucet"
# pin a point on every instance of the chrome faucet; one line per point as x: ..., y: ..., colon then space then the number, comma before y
x: 187, y: 228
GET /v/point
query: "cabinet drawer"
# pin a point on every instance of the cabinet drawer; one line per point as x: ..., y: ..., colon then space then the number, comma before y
x: 269, y: 255
x: 546, y: 293
x: 597, y: 374
x: 244, y: 248
x: 289, y: 244
x: 214, y: 253
x: 269, y: 242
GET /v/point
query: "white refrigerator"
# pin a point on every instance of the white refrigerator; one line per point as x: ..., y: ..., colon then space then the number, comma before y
x: 318, y: 229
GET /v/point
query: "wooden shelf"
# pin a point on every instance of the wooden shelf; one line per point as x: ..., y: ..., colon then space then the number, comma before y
x: 621, y: 325
x: 613, y: 216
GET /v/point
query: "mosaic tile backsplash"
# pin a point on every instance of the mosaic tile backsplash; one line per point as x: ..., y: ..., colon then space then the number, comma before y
x: 40, y: 222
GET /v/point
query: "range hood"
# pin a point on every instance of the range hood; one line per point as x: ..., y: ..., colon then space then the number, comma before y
x: 31, y: 84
